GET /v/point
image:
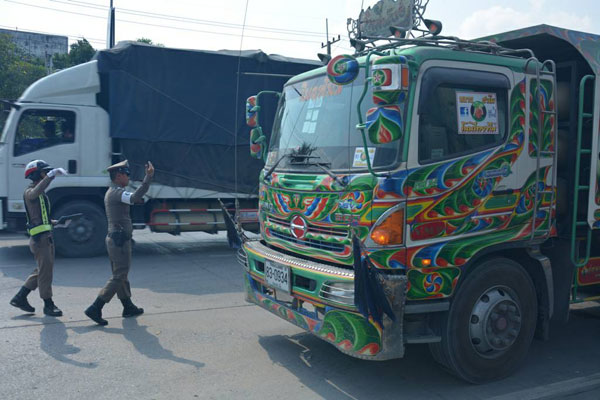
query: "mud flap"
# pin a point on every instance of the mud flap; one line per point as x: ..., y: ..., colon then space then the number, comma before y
x: 394, y: 287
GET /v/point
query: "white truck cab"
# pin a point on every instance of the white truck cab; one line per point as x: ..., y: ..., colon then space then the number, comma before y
x: 58, y: 120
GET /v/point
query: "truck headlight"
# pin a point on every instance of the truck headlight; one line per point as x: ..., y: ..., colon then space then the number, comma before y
x: 389, y: 230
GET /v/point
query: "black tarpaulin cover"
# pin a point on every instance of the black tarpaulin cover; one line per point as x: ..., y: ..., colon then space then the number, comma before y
x: 179, y: 109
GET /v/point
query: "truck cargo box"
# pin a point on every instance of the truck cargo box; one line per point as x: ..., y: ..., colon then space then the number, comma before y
x: 182, y: 109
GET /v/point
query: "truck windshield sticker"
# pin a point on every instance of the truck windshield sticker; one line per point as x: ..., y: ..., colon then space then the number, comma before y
x: 360, y: 159
x: 314, y: 90
x: 477, y: 113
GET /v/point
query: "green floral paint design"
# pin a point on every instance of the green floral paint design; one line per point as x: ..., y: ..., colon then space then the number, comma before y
x: 536, y: 115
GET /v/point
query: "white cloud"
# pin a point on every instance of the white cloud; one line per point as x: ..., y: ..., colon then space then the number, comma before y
x: 536, y: 5
x: 499, y: 19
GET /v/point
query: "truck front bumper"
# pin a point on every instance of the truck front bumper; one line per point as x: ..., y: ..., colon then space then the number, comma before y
x: 331, y: 320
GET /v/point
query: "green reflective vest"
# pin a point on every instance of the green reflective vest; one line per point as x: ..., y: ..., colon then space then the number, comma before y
x: 46, y: 225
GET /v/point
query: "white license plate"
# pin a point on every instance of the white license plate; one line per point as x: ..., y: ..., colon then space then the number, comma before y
x: 277, y: 276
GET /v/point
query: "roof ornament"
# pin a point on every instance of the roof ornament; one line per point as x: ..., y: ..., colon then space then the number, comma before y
x: 391, y: 20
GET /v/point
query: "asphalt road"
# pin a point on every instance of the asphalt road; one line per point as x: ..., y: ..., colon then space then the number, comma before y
x: 200, y: 339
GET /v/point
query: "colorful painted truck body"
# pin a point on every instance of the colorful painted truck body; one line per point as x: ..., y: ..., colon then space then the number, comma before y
x: 461, y: 190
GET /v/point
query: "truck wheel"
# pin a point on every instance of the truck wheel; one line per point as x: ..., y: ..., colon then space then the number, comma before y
x: 491, y: 323
x: 83, y: 237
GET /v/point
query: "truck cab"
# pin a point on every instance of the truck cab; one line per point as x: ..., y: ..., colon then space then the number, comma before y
x: 57, y: 120
x: 437, y: 221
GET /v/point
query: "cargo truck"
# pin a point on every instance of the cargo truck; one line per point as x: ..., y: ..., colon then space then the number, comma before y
x: 433, y: 190
x: 175, y: 107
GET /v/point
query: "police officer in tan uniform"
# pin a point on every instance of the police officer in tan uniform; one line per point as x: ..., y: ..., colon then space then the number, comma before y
x: 117, y: 202
x: 41, y: 244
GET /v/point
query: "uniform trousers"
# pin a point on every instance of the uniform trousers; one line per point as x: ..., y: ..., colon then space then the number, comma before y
x: 42, y: 247
x: 120, y: 261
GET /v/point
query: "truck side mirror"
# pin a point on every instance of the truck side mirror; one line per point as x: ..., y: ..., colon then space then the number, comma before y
x: 342, y: 70
x: 252, y: 112
x: 257, y: 142
x: 390, y: 79
x: 257, y: 137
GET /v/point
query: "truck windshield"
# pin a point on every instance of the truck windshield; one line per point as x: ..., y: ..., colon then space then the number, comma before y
x: 316, y: 123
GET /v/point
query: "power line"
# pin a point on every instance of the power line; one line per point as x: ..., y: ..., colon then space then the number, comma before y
x: 190, y: 20
x: 162, y: 26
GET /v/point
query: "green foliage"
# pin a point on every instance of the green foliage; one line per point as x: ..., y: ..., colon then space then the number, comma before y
x: 149, y: 41
x: 18, y: 70
x: 80, y: 52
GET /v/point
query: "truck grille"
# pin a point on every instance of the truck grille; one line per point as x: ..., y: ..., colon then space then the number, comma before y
x: 315, y: 229
x: 317, y: 244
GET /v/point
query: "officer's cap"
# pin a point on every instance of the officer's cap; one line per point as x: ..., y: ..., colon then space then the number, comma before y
x: 122, y: 166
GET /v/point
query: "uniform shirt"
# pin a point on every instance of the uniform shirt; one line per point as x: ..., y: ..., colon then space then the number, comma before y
x: 32, y: 201
x: 117, y: 202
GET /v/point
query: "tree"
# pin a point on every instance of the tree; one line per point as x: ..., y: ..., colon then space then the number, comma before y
x: 18, y: 70
x: 149, y: 41
x: 80, y: 52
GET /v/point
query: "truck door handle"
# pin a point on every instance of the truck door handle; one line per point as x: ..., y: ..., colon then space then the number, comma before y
x: 72, y: 166
x: 18, y: 165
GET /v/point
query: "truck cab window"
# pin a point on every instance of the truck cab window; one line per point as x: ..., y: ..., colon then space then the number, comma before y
x: 458, y: 118
x: 39, y: 129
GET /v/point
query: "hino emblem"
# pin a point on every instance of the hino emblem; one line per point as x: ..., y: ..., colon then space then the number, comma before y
x: 299, y: 227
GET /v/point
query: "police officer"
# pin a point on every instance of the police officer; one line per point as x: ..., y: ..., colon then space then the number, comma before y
x: 118, y: 242
x: 39, y: 227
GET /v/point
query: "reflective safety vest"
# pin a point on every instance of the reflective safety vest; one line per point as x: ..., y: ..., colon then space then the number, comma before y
x: 46, y: 225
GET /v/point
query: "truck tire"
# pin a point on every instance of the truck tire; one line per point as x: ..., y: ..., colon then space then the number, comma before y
x: 83, y: 237
x: 491, y: 323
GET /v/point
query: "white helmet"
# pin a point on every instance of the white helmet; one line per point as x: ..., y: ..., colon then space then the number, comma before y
x: 33, y: 169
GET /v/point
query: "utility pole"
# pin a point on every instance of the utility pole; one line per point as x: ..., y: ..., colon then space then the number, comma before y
x: 110, y: 33
x: 329, y: 42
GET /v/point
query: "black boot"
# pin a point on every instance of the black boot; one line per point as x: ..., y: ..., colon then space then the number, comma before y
x: 95, y: 312
x: 130, y: 309
x: 20, y: 300
x: 50, y: 308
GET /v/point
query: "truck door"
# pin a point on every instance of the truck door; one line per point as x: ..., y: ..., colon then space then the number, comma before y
x: 44, y: 133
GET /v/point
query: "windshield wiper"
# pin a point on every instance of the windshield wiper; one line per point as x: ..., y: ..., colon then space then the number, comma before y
x: 270, y: 171
x: 323, y: 167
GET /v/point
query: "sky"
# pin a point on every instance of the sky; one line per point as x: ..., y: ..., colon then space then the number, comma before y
x: 286, y: 27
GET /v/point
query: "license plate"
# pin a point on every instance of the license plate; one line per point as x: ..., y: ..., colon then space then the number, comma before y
x: 277, y: 276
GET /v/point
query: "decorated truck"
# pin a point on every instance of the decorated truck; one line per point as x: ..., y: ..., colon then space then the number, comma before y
x: 177, y: 108
x: 432, y: 190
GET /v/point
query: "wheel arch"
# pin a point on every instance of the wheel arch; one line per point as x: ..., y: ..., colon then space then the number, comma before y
x: 63, y: 195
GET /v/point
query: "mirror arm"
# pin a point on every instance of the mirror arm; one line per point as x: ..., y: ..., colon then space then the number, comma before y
x: 361, y: 125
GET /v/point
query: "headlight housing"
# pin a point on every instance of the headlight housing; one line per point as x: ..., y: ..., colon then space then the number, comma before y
x: 389, y: 229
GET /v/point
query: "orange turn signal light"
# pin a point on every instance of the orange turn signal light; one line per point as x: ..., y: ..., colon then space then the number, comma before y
x: 404, y: 75
x: 391, y: 230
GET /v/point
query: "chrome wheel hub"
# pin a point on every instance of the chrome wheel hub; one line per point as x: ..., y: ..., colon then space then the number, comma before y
x: 495, y: 322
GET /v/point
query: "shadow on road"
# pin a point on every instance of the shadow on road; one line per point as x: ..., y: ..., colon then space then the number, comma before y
x: 142, y: 340
x: 331, y: 374
x: 53, y: 340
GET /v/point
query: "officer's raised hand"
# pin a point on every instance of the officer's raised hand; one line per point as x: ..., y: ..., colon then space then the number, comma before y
x: 56, y: 172
x: 149, y: 169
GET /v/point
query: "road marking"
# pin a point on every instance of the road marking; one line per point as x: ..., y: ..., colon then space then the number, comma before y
x: 340, y: 389
x: 557, y: 390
